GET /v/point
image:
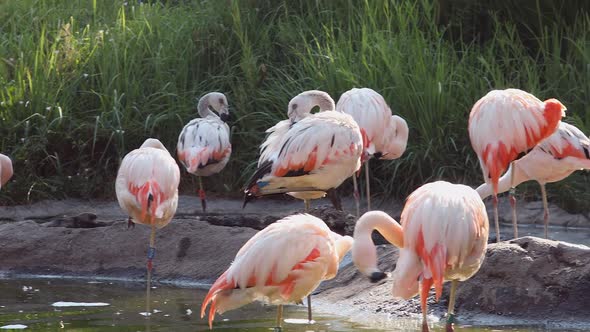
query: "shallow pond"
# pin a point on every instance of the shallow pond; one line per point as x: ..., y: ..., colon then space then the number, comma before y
x: 32, y: 303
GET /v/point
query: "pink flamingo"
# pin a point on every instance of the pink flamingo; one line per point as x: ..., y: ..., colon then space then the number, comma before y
x: 443, y: 236
x: 281, y: 264
x: 6, y: 170
x: 504, y: 124
x: 204, y: 144
x: 552, y: 160
x: 147, y: 189
x: 386, y: 135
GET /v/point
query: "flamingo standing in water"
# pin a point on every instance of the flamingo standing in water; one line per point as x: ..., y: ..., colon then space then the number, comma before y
x: 281, y: 264
x: 504, y: 124
x: 6, y: 170
x: 147, y: 189
x: 386, y: 135
x: 552, y: 160
x: 443, y: 236
x: 203, y: 146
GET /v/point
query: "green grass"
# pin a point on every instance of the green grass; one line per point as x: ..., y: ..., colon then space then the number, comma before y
x: 84, y: 82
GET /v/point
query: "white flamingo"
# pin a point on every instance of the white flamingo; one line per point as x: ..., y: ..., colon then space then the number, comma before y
x: 204, y: 144
x: 552, y: 160
x: 299, y: 107
x: 386, y: 136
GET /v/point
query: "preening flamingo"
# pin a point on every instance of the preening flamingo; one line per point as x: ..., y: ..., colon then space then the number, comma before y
x: 281, y: 264
x: 504, y: 124
x: 6, y: 170
x: 442, y: 237
x: 203, y: 146
x: 147, y: 189
x: 315, y: 154
x: 552, y: 160
x: 386, y: 135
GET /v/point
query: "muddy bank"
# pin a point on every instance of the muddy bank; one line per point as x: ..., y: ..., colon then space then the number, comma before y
x: 524, y: 281
x: 527, y: 280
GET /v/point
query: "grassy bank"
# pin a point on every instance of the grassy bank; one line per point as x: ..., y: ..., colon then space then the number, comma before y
x: 84, y: 82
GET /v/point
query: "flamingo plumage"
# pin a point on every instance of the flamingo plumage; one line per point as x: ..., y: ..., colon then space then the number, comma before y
x: 204, y: 146
x: 6, y: 170
x: 281, y: 264
x: 504, y: 124
x: 147, y: 189
x: 315, y: 154
x: 442, y: 237
x: 385, y: 135
x: 552, y: 160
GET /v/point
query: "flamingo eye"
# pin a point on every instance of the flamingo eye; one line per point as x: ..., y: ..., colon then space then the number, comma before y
x: 220, y: 101
x: 294, y: 107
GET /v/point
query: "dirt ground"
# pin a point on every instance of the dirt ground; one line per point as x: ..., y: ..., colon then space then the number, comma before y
x: 524, y: 281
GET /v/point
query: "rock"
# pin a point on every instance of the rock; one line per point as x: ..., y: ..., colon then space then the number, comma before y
x: 526, y: 278
x: 83, y: 220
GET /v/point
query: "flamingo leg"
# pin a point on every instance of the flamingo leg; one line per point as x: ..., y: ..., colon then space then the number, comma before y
x: 513, y: 200
x: 279, y: 326
x: 151, y: 253
x: 130, y: 223
x: 356, y: 196
x: 425, y: 285
x: 545, y: 208
x: 496, y: 222
x: 451, y: 311
x: 309, y: 317
x: 202, y: 195
x: 368, y: 185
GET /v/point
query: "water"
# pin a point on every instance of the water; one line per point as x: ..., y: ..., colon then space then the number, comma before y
x: 29, y: 302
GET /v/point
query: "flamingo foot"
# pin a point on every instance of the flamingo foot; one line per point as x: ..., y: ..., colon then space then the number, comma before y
x: 130, y: 223
x: 450, y: 327
x: 203, y: 201
x: 425, y: 327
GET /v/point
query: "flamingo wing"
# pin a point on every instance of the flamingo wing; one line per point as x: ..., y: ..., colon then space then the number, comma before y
x: 271, y: 145
x: 147, y: 184
x: 567, y: 141
x: 316, y: 145
x: 204, y: 142
x: 274, y: 264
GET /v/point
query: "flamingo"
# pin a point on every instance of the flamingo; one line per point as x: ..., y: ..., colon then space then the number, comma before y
x: 281, y: 264
x: 147, y: 189
x: 204, y: 146
x: 504, y: 124
x: 443, y: 236
x: 313, y: 155
x: 386, y: 135
x: 6, y: 170
x: 552, y: 160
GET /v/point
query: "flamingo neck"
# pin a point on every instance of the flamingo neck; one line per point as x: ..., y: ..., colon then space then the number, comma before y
x: 203, y: 107
x: 364, y: 253
x: 504, y: 184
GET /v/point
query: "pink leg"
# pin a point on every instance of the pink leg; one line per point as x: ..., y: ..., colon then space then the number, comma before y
x: 496, y: 222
